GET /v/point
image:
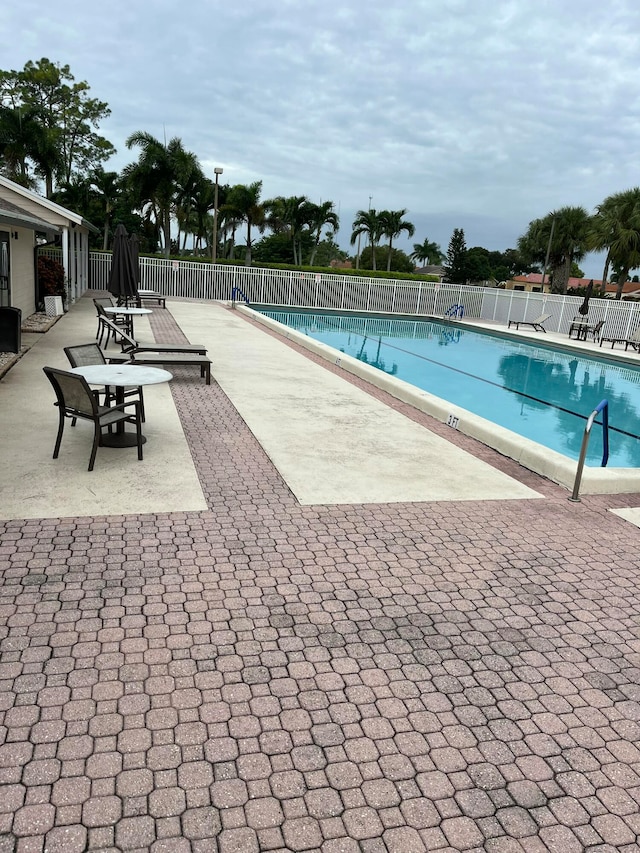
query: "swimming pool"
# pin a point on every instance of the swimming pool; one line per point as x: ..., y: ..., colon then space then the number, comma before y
x: 539, y: 392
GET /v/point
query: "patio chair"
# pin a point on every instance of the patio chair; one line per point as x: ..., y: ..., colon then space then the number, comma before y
x: 595, y: 331
x: 75, y: 400
x: 633, y: 340
x: 102, y: 302
x: 535, y: 324
x: 84, y: 354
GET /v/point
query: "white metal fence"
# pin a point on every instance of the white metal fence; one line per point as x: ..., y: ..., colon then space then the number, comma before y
x: 288, y: 288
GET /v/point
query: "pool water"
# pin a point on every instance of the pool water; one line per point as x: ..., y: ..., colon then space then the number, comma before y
x: 539, y: 392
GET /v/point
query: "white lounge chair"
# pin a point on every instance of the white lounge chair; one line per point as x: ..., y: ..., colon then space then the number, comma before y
x: 535, y: 324
x: 632, y: 341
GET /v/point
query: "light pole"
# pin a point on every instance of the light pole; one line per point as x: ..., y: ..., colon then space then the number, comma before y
x: 218, y: 171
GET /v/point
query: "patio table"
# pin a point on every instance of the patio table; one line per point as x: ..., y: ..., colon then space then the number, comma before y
x: 122, y: 376
x: 580, y: 328
x: 128, y: 314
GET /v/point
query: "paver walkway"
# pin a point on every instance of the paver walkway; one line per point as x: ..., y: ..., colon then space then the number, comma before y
x: 382, y: 678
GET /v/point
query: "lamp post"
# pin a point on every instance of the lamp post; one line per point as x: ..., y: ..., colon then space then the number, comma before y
x: 218, y: 171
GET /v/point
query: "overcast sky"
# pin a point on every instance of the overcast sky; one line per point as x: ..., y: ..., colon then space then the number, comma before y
x: 477, y: 114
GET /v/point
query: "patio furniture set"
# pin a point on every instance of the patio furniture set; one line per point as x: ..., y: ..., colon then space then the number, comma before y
x: 122, y: 377
x: 581, y: 329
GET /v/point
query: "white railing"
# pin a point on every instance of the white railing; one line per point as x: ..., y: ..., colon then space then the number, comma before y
x: 293, y: 289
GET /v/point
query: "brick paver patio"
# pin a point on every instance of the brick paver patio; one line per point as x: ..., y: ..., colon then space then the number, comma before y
x: 351, y: 679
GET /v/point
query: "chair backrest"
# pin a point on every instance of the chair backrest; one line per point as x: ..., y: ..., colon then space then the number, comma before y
x: 598, y: 326
x: 102, y: 302
x: 84, y: 354
x: 635, y: 336
x: 126, y: 341
x: 72, y: 391
x: 542, y: 318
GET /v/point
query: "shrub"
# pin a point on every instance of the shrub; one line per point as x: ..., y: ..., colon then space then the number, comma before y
x: 50, y: 277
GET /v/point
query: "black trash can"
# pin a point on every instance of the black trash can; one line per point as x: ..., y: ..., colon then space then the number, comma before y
x: 10, y: 329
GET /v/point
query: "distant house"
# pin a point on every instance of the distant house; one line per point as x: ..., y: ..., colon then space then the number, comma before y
x: 26, y: 221
x: 431, y: 269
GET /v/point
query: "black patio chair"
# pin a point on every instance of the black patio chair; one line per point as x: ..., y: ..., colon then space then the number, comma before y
x: 76, y: 401
x: 102, y: 302
x: 596, y: 331
x: 82, y: 355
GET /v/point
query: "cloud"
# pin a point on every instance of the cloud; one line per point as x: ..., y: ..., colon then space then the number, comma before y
x: 489, y: 112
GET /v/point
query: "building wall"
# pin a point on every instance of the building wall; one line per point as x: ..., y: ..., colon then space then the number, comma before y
x: 22, y: 278
x: 526, y: 286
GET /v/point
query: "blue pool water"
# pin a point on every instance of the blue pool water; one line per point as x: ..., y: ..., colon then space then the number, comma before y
x: 539, y: 392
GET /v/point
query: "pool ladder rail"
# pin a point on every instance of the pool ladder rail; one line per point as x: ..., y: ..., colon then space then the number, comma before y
x: 603, y: 407
x: 456, y: 312
x: 237, y: 292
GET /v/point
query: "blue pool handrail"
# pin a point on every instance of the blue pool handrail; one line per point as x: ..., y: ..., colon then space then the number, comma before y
x: 456, y: 311
x: 603, y: 406
x: 238, y: 291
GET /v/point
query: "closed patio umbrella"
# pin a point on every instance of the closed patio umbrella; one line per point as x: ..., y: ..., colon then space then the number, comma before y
x: 123, y: 277
x: 134, y: 247
x: 584, y: 308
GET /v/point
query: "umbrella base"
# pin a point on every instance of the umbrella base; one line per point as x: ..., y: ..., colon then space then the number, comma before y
x: 121, y: 439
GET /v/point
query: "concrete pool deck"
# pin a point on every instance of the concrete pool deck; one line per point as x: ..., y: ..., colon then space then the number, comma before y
x: 263, y: 674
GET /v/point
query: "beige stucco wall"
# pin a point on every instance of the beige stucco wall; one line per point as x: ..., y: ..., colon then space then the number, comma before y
x: 528, y: 286
x: 22, y: 280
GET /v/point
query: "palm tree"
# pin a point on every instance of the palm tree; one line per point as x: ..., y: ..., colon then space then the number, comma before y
x: 229, y: 221
x: 245, y: 202
x: 616, y: 229
x: 563, y: 236
x: 202, y: 201
x: 107, y: 187
x: 289, y: 216
x: 392, y: 225
x: 157, y: 176
x: 319, y: 216
x: 367, y: 222
x: 427, y: 251
x: 185, y: 201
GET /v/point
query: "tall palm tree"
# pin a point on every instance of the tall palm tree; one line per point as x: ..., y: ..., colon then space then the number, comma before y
x: 229, y: 221
x: 427, y: 251
x: 245, y: 201
x: 319, y: 216
x: 106, y: 185
x: 289, y: 216
x: 367, y: 222
x: 186, y: 193
x: 157, y: 176
x: 202, y: 202
x: 563, y: 236
x: 392, y: 225
x: 616, y: 229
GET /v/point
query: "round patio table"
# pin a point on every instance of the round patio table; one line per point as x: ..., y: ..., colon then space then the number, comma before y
x: 122, y: 376
x: 128, y: 314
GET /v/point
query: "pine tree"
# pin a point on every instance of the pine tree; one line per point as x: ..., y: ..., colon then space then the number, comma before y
x: 456, y: 263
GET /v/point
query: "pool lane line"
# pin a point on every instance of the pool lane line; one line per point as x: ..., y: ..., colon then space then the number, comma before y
x: 504, y: 388
x: 466, y: 373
